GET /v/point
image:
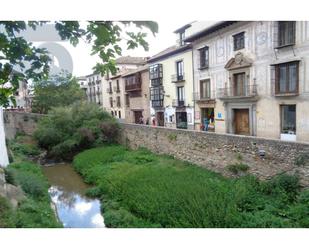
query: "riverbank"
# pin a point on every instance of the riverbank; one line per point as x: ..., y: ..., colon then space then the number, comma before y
x: 35, y: 210
x: 142, y: 189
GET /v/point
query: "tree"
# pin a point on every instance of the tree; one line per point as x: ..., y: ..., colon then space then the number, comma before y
x: 58, y: 90
x: 67, y: 130
x: 105, y: 37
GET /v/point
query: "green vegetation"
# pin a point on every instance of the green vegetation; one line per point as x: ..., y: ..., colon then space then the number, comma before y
x: 104, y: 36
x: 58, y: 90
x: 22, y: 148
x: 238, y: 168
x: 69, y: 130
x: 141, y: 189
x: 35, y: 210
x: 172, y: 137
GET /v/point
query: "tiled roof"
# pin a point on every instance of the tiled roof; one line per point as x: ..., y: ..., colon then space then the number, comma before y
x: 131, y: 60
x: 169, y: 51
x: 139, y: 69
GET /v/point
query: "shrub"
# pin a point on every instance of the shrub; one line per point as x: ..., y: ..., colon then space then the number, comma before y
x: 68, y: 130
x: 238, y: 168
x: 141, y: 189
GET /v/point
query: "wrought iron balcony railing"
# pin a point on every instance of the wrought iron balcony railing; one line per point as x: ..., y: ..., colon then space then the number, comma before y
x: 238, y: 92
x: 178, y: 78
x: 197, y: 96
x: 109, y: 90
x: 178, y: 103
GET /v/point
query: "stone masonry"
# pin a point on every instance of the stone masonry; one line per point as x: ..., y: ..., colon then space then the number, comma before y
x: 265, y: 157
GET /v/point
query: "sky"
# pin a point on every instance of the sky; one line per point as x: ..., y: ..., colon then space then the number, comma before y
x: 82, y: 62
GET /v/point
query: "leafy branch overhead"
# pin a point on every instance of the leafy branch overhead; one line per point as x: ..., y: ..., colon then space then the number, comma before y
x: 33, y: 63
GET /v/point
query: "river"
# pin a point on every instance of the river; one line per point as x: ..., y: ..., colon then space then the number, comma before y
x: 67, y: 192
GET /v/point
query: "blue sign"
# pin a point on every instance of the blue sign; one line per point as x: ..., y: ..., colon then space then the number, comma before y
x: 219, y: 115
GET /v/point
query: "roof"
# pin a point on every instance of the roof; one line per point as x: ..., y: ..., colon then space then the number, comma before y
x: 131, y: 60
x: 169, y: 51
x: 139, y: 69
x: 209, y: 30
x: 182, y: 28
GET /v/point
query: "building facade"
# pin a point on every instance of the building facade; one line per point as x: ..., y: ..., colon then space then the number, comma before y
x: 171, y: 85
x: 250, y: 78
x: 137, y: 97
x: 94, y: 88
x: 114, y: 86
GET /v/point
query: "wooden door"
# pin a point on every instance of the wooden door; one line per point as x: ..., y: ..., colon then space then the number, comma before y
x: 160, y: 118
x: 241, y: 121
x: 137, y: 116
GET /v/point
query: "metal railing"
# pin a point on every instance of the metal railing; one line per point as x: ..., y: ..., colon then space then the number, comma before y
x: 178, y: 103
x: 238, y: 92
x: 197, y: 96
x: 177, y: 78
x: 109, y: 90
x: 116, y: 89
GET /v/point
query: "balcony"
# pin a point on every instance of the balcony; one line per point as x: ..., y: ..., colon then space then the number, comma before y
x: 178, y: 103
x: 133, y: 87
x: 208, y: 96
x: 178, y: 78
x: 116, y: 89
x: 109, y: 90
x: 248, y: 91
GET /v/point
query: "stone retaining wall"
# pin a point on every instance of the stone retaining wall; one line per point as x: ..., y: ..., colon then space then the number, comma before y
x: 216, y: 151
x: 20, y: 122
x: 210, y: 150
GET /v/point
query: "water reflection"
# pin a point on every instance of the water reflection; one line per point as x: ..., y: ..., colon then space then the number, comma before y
x: 68, y: 194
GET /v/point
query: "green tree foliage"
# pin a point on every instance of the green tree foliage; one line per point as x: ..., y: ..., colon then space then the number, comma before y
x: 59, y: 90
x: 68, y: 130
x: 105, y: 37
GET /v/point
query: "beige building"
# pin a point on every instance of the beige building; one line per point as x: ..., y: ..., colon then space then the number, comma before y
x: 171, y: 80
x: 137, y: 97
x: 251, y: 78
x: 114, y: 86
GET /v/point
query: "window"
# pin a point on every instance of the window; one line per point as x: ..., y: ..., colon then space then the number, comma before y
x: 205, y: 89
x: 155, y: 71
x: 112, y: 113
x: 118, y: 101
x: 286, y: 33
x: 181, y: 95
x: 117, y: 84
x: 180, y: 70
x: 181, y: 38
x: 239, y: 86
x: 127, y: 100
x: 286, y: 78
x: 111, y: 101
x: 204, y: 57
x: 288, y: 119
x: 110, y: 87
x: 239, y: 41
x: 119, y: 114
x: 156, y: 96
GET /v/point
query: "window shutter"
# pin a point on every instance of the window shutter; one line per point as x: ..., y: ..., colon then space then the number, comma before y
x: 273, y: 83
x: 275, y: 34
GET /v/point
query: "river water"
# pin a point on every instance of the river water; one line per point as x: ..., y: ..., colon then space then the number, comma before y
x: 67, y: 192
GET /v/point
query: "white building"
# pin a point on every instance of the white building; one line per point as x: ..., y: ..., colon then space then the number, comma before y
x: 251, y: 78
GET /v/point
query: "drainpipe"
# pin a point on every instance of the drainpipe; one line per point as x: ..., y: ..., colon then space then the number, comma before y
x: 193, y: 97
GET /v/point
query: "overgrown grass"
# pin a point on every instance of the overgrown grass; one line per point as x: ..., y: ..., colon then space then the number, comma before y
x: 22, y: 148
x: 35, y: 211
x: 141, y: 189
